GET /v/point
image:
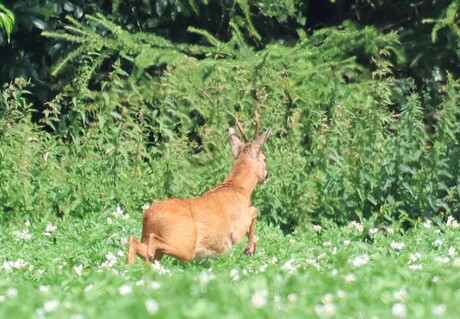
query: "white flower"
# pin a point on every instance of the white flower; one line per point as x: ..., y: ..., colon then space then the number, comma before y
x: 20, y: 263
x: 277, y: 300
x: 438, y: 310
x: 145, y: 207
x: 435, y: 279
x: 415, y: 266
x: 11, y: 292
x: 428, y: 223
x: 289, y: 266
x: 400, y: 295
x: 324, y: 311
x: 50, y: 305
x: 140, y: 282
x: 61, y: 265
x: 438, y: 243
x: 309, y: 261
x: 399, y: 310
x: 292, y: 298
x: 158, y: 267
x: 205, y: 277
x: 350, y: 278
x: 263, y: 268
x: 452, y: 223
x: 321, y: 256
x: 360, y: 260
x: 346, y: 242
x: 441, y: 260
x: 27, y: 223
x: 49, y: 229
x: 327, y: 299
x: 155, y: 285
x: 119, y: 214
x: 234, y: 274
x: 341, y: 294
x: 373, y: 231
x: 78, y: 269
x: 123, y: 241
x: 414, y: 257
x: 25, y: 235
x: 120, y: 253
x: 397, y: 246
x: 316, y: 228
x: 110, y: 261
x: 390, y: 231
x: 89, y: 288
x: 259, y: 298
x: 111, y: 258
x: 327, y: 244
x: 456, y: 262
x: 125, y: 289
x: 356, y: 226
x: 8, y: 266
x: 109, y: 221
x: 2, y: 298
x: 152, y: 306
x: 452, y: 252
x: 44, y: 289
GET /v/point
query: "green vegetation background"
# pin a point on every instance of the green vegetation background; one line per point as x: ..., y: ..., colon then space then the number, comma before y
x: 107, y: 103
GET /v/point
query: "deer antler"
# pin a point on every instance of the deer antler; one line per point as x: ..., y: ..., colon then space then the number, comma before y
x: 256, y: 123
x: 245, y: 137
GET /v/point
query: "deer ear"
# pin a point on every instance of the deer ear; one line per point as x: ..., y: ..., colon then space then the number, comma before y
x: 259, y: 142
x: 235, y: 142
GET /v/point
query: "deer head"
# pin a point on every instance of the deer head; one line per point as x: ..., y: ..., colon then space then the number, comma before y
x: 252, y: 151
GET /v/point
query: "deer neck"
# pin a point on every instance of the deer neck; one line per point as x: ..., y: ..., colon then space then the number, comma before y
x: 242, y: 177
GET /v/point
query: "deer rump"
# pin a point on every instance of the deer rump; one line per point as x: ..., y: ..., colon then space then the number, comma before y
x: 195, y: 228
x: 211, y: 224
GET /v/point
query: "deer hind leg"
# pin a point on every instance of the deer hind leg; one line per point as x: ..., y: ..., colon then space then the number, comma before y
x: 252, y: 239
x: 158, y: 246
x: 154, y: 251
x: 136, y: 247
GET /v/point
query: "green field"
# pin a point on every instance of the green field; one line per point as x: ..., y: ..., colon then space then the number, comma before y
x: 76, y: 268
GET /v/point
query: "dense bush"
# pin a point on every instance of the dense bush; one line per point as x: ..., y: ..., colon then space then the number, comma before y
x: 360, y: 128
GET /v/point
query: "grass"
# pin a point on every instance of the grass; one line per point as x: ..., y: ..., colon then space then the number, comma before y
x: 76, y: 268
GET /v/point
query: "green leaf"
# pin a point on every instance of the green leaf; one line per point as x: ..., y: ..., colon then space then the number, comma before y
x: 40, y: 24
x: 6, y: 20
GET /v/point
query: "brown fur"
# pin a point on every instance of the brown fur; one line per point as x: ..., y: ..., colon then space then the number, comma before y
x: 211, y: 224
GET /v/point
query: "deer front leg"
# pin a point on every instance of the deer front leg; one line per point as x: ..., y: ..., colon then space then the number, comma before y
x: 252, y: 240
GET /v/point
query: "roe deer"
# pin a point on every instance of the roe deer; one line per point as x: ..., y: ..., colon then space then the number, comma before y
x: 209, y: 225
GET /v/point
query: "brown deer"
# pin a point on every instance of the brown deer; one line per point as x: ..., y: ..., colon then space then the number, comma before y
x: 211, y: 224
